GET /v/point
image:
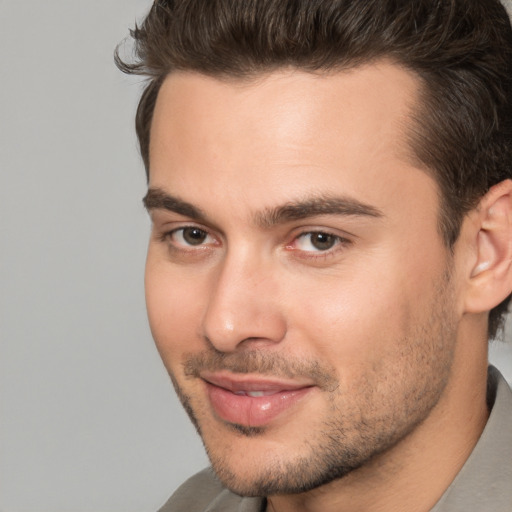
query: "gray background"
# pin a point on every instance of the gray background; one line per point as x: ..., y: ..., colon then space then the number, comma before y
x: 88, y: 420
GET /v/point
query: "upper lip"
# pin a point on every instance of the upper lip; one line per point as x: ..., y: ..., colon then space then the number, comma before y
x: 238, y: 382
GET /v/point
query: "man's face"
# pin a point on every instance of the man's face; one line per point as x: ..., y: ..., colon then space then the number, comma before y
x: 298, y: 288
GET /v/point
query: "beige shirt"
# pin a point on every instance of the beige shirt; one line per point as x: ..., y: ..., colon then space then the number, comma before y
x: 484, y: 484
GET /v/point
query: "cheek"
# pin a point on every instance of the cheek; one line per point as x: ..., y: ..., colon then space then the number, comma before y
x: 360, y: 318
x: 349, y: 324
x: 174, y: 310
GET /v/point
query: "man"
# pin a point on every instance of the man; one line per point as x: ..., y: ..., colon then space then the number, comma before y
x: 330, y: 194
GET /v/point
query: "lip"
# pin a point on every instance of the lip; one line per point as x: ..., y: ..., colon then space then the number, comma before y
x: 230, y: 397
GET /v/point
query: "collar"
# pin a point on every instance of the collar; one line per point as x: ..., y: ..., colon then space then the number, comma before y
x: 485, y: 480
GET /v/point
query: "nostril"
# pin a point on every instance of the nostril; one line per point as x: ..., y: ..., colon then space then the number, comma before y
x: 253, y: 326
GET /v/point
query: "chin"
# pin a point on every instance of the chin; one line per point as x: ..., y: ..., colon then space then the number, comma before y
x: 273, y: 476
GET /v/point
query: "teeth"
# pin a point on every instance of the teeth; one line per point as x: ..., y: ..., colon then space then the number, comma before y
x: 255, y: 394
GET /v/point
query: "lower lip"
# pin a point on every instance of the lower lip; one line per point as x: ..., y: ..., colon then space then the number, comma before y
x: 252, y: 411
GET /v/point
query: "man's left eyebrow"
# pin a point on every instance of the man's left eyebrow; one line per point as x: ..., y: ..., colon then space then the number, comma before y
x: 316, y: 206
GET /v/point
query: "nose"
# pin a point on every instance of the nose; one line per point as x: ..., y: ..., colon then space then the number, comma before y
x: 243, y: 307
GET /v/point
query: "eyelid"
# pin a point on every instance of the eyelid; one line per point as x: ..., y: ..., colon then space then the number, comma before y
x: 342, y: 241
x: 166, y: 235
x: 165, y: 232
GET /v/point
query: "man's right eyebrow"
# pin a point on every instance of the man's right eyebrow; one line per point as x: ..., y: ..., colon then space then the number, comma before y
x: 157, y: 199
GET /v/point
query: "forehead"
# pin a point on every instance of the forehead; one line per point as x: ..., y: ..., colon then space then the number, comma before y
x: 286, y: 132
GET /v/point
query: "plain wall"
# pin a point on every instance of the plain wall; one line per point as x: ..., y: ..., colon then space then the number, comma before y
x: 88, y: 418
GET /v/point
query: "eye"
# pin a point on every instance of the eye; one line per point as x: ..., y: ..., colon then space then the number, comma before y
x: 316, y: 241
x: 190, y: 236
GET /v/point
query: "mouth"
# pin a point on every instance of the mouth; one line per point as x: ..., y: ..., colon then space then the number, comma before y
x: 251, y: 400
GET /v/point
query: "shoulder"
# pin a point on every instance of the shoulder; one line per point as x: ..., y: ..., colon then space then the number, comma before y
x: 485, y: 480
x: 203, y: 492
x: 195, y: 494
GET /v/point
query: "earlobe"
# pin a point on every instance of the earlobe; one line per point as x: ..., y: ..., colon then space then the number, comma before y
x: 490, y: 279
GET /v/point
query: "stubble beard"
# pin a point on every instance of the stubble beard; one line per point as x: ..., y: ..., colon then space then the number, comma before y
x: 354, y: 433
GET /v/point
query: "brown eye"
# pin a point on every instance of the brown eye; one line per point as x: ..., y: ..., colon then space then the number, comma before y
x: 317, y: 241
x: 322, y: 241
x: 193, y: 236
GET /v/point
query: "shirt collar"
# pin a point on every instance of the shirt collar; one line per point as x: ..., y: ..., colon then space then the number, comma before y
x: 485, y: 480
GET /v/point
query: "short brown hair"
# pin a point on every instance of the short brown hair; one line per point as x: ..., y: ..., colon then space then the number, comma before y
x: 461, y: 50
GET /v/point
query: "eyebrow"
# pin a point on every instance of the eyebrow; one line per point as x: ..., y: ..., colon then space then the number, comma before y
x: 314, y: 206
x: 157, y: 199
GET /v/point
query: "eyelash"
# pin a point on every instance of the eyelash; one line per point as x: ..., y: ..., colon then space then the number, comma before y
x: 339, y: 243
x: 168, y: 235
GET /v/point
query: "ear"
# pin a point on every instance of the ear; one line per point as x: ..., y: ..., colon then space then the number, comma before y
x: 490, y: 270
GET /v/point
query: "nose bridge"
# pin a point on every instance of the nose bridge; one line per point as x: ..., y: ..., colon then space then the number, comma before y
x: 242, y: 304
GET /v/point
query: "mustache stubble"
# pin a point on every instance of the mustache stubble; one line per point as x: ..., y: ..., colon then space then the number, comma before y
x: 261, y: 363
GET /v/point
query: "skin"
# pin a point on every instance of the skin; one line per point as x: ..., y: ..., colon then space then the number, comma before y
x: 375, y: 322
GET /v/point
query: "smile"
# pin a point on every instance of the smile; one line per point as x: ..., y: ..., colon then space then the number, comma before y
x: 252, y: 401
